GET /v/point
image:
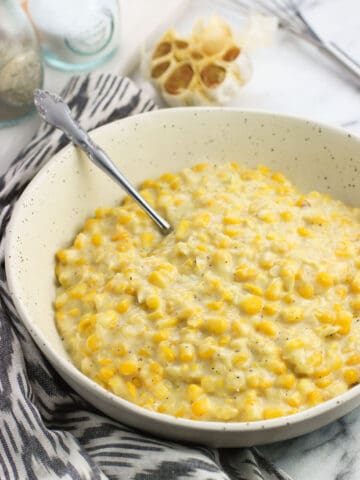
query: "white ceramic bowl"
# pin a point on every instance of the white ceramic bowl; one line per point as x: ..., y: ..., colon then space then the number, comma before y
x: 66, y: 191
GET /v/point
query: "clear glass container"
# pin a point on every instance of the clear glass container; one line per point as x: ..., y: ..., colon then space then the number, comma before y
x: 76, y: 35
x: 21, y: 68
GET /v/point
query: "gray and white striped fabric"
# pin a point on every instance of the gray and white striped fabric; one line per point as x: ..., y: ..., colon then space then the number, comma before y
x: 46, y: 430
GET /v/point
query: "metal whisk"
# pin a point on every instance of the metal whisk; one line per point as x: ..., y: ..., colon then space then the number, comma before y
x: 291, y: 19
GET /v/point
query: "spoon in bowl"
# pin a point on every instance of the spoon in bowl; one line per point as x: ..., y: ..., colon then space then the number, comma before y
x: 56, y: 112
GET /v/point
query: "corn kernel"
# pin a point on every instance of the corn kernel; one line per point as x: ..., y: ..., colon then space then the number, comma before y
x: 153, y: 302
x: 105, y: 361
x: 251, y: 304
x: 292, y: 314
x: 341, y: 291
x: 273, y: 412
x: 239, y: 358
x: 355, y: 284
x: 294, y: 400
x: 86, y: 322
x: 355, y: 303
x: 325, y: 279
x: 351, y: 376
x: 156, y: 315
x: 61, y: 300
x: 97, y: 239
x: 267, y: 216
x: 193, y: 392
x: 217, y: 325
x: 211, y: 383
x: 278, y: 177
x: 108, y: 319
x: 267, y: 327
x: 160, y: 391
x: 167, y: 322
x: 124, y: 218
x: 157, y: 279
x: 160, y: 336
x: 227, y: 296
x: 323, y: 382
x: 78, y: 291
x: 353, y: 359
x: 286, y: 215
x: 224, y: 340
x: 132, y: 390
x: 295, y: 343
x: 62, y: 256
x: 344, y: 321
x: 286, y: 380
x: 230, y: 220
x: 59, y: 316
x: 168, y: 353
x: 106, y: 373
x: 319, y: 220
x: 271, y: 308
x: 244, y: 272
x: 277, y: 366
x: 302, y: 202
x: 315, y: 359
x: 93, y: 343
x: 119, y: 349
x: 321, y: 372
x: 102, y: 212
x: 343, y: 250
x: 200, y: 167
x: 222, y: 260
x: 128, y: 368
x: 147, y: 239
x: 156, y: 369
x: 202, y: 220
x: 226, y: 412
x: 303, y: 232
x: 200, y: 407
x: 168, y: 177
x: 266, y: 261
x: 79, y: 241
x: 249, y: 175
x: 315, y: 397
x: 187, y: 352
x: 206, y: 350
x: 326, y: 317
x: 254, y: 289
x: 182, y: 230
x: 215, y: 305
x: 305, y: 290
x: 274, y: 290
x: 123, y: 305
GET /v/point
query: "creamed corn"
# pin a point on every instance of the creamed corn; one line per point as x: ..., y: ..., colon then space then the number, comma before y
x: 249, y: 310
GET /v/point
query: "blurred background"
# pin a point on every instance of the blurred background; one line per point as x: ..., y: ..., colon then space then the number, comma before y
x: 74, y: 36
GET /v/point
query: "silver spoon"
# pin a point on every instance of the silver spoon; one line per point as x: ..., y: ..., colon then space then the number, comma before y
x: 56, y: 112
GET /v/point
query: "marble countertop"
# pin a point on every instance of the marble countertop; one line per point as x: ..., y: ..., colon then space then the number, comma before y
x: 293, y: 78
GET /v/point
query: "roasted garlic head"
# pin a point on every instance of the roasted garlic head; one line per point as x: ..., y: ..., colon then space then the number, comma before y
x: 207, y: 68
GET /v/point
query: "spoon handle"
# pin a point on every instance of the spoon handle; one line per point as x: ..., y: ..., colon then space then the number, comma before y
x: 56, y: 112
x: 101, y: 159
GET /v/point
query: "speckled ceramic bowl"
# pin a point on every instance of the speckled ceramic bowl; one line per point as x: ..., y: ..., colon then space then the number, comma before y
x: 69, y: 188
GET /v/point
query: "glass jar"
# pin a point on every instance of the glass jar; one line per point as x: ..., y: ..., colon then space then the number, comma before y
x: 76, y: 35
x: 20, y: 63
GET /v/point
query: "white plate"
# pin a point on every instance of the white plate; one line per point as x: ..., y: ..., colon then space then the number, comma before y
x: 67, y: 191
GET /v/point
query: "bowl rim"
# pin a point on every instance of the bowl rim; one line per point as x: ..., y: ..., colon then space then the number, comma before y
x: 80, y: 378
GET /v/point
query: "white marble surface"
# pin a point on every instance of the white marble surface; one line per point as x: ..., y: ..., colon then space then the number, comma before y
x: 293, y: 78
x: 331, y: 453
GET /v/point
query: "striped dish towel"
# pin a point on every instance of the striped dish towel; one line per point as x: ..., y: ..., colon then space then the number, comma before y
x: 47, y: 431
